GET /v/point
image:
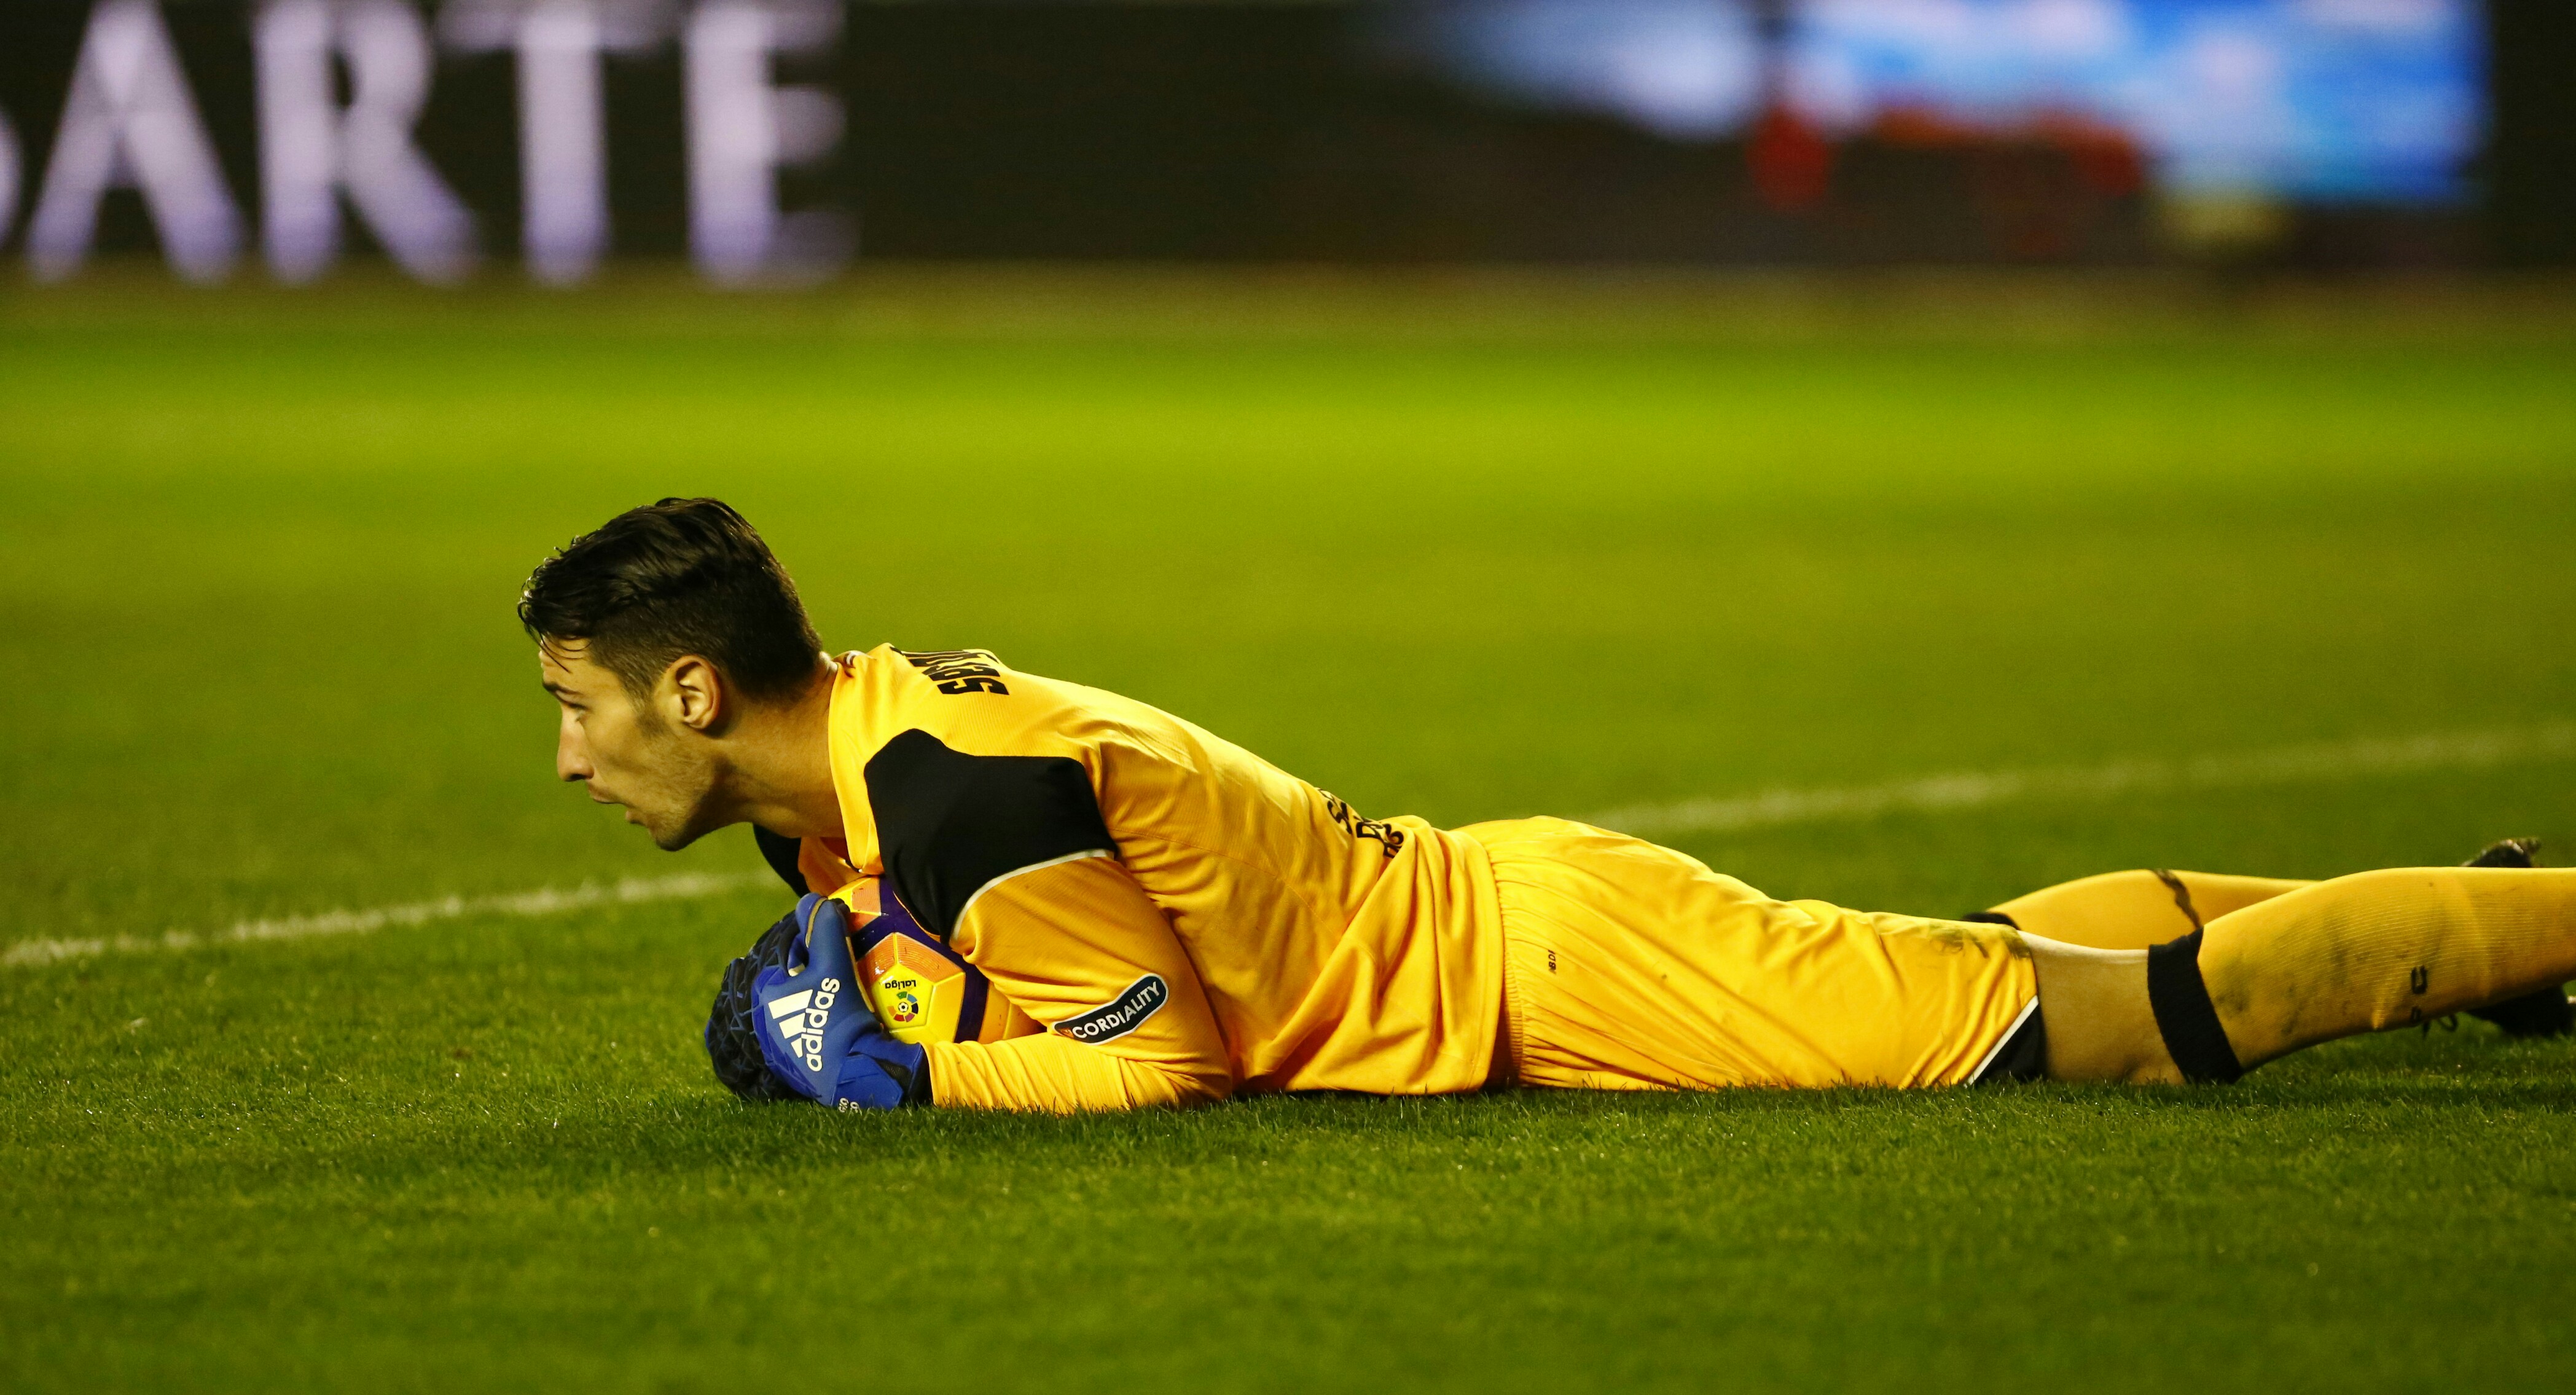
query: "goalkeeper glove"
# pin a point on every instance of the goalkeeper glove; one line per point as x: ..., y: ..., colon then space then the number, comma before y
x: 816, y: 1031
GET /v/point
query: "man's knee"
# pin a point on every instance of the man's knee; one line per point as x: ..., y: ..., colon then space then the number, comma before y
x: 2101, y: 1021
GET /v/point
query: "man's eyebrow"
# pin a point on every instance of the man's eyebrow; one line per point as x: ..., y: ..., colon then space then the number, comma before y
x: 559, y: 690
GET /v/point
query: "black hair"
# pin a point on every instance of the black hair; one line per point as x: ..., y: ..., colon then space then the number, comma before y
x: 733, y: 1026
x: 682, y: 576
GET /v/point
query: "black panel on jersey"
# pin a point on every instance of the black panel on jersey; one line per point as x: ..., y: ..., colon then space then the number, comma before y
x: 779, y: 851
x: 948, y: 823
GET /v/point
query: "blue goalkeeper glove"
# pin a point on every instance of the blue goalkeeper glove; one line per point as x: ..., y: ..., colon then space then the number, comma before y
x: 816, y: 1032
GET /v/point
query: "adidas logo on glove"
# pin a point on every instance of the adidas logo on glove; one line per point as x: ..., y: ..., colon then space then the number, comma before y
x: 807, y: 1036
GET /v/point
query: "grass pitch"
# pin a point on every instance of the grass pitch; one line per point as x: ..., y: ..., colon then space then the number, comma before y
x: 1467, y: 548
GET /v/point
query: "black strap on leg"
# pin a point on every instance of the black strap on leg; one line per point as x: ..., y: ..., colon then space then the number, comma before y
x: 2185, y: 1015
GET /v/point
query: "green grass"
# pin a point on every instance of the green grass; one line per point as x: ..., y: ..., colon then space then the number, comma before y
x: 1462, y: 546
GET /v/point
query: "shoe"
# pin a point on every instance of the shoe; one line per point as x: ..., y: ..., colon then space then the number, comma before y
x: 2541, y: 1013
x: 2512, y: 852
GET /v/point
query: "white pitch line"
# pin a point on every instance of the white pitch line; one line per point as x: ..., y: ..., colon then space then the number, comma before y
x: 1935, y: 793
x: 543, y: 901
x: 1977, y: 790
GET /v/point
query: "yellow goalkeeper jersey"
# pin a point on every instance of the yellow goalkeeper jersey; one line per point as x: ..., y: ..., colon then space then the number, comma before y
x: 1181, y: 919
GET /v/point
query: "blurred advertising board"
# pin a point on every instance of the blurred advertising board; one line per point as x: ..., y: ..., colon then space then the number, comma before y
x: 770, y: 140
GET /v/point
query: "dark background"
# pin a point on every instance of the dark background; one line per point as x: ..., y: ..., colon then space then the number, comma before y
x: 1250, y: 131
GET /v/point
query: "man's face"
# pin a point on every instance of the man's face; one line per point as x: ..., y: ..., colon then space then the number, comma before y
x: 627, y: 751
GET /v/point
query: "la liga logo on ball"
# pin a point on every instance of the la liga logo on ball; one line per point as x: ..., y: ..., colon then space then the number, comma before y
x: 919, y: 989
x: 918, y: 993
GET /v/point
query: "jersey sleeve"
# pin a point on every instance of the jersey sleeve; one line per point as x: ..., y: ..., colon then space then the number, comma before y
x: 1080, y: 948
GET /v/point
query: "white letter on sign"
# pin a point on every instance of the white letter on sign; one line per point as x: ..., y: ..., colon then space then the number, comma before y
x: 132, y: 120
x: 563, y: 140
x: 741, y: 129
x: 310, y: 147
x: 8, y: 176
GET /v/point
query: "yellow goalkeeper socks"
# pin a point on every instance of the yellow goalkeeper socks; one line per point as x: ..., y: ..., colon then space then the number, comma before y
x: 2371, y: 951
x: 2132, y: 910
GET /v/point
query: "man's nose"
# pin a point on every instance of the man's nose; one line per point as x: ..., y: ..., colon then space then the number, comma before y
x: 571, y: 761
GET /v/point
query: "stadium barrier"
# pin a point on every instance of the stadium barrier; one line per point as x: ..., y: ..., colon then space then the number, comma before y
x: 752, y: 135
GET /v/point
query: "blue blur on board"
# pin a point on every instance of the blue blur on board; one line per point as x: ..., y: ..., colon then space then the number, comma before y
x: 2317, y: 101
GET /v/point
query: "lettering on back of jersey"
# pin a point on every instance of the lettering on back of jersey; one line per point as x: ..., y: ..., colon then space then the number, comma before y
x: 1121, y: 1015
x: 959, y: 670
x: 1384, y: 834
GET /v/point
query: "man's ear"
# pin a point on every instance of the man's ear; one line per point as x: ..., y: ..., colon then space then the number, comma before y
x: 692, y: 694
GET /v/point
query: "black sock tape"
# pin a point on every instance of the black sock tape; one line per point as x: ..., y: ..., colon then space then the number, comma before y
x: 2184, y: 1013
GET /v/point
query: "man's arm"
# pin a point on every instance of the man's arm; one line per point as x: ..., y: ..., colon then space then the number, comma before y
x: 1080, y: 947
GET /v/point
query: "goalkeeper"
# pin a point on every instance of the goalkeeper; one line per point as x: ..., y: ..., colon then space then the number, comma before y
x: 1026, y: 894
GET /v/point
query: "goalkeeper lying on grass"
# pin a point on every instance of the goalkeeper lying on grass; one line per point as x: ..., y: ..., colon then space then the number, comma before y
x: 1025, y: 894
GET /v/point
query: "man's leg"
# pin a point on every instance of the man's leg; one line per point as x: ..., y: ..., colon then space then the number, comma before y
x: 2355, y: 954
x: 2132, y: 910
x: 1631, y: 966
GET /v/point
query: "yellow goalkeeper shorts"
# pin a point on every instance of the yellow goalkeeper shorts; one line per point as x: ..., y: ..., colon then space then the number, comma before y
x: 1630, y: 966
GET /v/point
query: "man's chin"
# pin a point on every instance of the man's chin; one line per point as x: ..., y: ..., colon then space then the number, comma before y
x: 672, y: 830
x: 672, y: 838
